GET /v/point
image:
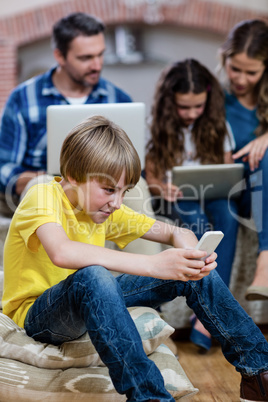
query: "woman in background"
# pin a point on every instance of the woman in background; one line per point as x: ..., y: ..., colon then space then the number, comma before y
x: 244, y: 56
x: 188, y: 128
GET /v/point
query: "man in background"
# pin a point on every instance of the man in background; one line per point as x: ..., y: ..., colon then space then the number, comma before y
x: 78, y: 48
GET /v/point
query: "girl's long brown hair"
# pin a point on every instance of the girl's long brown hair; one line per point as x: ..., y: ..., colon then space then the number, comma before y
x: 251, y: 37
x: 166, y: 146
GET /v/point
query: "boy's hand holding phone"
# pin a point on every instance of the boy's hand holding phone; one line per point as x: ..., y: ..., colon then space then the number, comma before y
x: 209, y: 242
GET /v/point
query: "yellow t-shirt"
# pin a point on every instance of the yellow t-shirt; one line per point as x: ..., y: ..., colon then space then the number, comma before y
x: 28, y: 271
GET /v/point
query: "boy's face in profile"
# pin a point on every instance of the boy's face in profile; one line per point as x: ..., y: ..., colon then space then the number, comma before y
x: 99, y: 199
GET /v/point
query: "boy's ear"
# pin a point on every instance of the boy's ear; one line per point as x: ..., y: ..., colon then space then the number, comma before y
x: 72, y: 181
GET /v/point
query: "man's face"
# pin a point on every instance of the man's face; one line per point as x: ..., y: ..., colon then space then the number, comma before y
x: 84, y: 59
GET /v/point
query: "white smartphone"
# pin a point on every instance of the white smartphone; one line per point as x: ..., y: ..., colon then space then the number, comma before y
x: 209, y: 242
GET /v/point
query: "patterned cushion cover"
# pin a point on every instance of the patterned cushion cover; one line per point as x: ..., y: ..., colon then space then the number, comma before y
x: 23, y: 382
x: 15, y: 344
x: 33, y: 371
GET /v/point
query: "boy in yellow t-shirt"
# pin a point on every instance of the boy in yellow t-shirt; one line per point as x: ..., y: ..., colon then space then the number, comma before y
x: 58, y: 283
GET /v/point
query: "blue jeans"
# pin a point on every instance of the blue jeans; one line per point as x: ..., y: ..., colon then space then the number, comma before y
x: 201, y: 216
x: 254, y: 200
x: 93, y: 300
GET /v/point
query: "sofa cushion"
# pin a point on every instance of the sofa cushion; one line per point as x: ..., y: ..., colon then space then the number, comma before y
x: 32, y: 371
x: 16, y: 344
x: 22, y: 382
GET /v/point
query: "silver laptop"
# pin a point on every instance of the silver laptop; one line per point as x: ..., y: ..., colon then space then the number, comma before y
x: 62, y: 118
x: 209, y: 181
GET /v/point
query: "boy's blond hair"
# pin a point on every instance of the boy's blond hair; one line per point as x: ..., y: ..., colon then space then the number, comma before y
x: 99, y: 148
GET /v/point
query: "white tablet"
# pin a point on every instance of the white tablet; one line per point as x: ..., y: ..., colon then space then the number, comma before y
x: 209, y: 181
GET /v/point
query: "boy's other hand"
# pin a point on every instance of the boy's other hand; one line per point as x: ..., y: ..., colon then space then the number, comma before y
x: 182, y: 264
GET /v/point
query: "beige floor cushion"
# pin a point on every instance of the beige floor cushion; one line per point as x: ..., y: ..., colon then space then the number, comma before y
x: 33, y: 371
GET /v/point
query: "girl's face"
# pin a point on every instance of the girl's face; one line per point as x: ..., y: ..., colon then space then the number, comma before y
x: 190, y: 106
x: 244, y: 73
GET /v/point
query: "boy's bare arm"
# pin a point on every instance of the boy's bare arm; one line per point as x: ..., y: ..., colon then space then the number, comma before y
x: 176, y: 264
x: 171, y: 235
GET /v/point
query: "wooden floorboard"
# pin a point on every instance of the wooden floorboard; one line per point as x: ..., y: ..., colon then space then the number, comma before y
x: 216, y: 379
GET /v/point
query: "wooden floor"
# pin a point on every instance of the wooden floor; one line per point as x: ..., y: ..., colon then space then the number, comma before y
x: 216, y: 379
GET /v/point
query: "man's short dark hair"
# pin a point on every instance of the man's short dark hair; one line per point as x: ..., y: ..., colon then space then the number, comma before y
x: 73, y: 25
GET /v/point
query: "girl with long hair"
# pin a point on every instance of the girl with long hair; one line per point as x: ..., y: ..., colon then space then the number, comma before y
x: 188, y: 127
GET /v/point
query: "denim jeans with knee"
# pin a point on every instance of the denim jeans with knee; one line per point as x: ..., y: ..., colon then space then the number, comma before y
x: 93, y: 300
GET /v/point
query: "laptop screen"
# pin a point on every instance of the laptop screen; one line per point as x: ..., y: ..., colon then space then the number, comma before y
x: 62, y: 118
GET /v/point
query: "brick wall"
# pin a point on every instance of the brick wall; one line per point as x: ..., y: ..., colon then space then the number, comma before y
x: 27, y: 27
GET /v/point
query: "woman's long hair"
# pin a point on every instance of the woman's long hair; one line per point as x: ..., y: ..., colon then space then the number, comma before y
x: 166, y: 147
x: 251, y: 37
